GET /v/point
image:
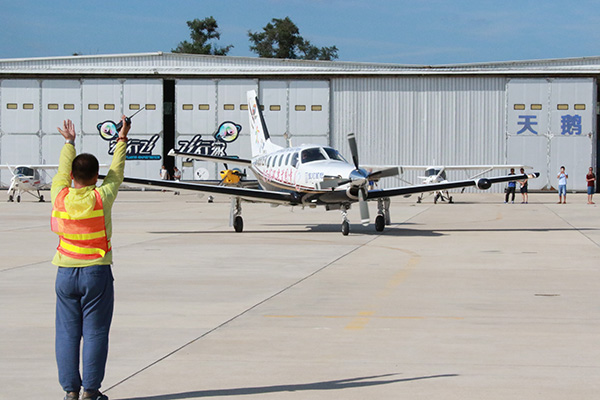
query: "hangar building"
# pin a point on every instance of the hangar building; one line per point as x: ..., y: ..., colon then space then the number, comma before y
x: 539, y: 113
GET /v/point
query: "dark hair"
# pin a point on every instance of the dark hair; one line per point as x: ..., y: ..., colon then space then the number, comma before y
x: 85, y: 168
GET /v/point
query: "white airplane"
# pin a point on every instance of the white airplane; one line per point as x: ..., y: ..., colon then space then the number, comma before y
x: 437, y: 174
x: 26, y: 179
x: 309, y: 175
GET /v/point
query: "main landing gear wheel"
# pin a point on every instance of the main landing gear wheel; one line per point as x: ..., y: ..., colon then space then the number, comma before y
x: 42, y: 199
x: 238, y: 224
x: 10, y: 198
x: 18, y: 198
x: 379, y: 223
x: 345, y: 228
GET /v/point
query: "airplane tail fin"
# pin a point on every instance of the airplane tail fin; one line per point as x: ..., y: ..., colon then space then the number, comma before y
x: 259, y: 135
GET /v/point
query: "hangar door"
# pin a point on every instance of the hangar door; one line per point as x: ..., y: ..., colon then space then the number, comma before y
x: 550, y: 123
x: 298, y: 108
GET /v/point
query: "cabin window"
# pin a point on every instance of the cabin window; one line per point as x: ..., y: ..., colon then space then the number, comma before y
x: 310, y: 155
x: 287, y: 159
x: 295, y: 160
x: 150, y: 106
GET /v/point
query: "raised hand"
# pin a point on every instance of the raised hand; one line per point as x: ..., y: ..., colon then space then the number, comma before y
x: 68, y: 130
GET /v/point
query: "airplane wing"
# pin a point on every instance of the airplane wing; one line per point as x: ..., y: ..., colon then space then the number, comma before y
x: 481, y: 183
x: 217, y: 159
x: 33, y: 166
x: 39, y: 166
x: 463, y: 167
x: 244, y: 193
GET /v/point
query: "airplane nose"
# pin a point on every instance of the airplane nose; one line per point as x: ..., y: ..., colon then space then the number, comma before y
x: 358, y: 177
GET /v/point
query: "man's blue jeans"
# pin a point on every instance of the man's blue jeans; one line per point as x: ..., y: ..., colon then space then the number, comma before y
x: 84, y: 308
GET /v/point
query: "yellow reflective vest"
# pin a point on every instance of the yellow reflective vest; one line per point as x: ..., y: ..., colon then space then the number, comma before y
x: 83, y: 237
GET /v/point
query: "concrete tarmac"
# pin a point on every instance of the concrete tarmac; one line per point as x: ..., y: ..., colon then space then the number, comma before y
x: 472, y: 300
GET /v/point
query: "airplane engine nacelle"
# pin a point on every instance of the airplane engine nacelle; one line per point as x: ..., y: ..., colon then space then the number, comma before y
x: 483, y: 184
x: 352, y: 192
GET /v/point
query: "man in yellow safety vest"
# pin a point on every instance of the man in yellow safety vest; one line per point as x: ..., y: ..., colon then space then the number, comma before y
x: 81, y: 216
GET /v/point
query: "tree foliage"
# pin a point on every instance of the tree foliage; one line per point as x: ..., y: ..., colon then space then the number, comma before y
x: 281, y: 38
x: 202, y: 32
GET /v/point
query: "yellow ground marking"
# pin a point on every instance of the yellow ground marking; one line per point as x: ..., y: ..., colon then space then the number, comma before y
x: 361, y: 321
x: 363, y: 318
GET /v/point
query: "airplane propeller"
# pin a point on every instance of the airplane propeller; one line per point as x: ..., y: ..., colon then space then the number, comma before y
x: 359, y: 177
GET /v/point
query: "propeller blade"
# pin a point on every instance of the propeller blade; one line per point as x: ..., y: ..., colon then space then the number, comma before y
x: 353, y: 148
x: 364, y: 208
x: 384, y: 173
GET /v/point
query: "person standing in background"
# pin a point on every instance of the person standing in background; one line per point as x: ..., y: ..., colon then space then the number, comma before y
x: 591, y: 182
x: 524, y: 189
x: 562, y: 185
x: 511, y: 188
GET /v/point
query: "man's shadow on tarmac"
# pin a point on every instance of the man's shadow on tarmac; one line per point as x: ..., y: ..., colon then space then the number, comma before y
x: 316, y: 386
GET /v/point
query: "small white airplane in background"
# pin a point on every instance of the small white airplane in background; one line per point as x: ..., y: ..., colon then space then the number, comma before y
x: 437, y: 174
x: 26, y: 179
x: 309, y: 175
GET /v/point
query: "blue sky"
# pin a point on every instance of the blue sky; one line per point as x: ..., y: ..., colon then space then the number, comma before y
x: 427, y: 32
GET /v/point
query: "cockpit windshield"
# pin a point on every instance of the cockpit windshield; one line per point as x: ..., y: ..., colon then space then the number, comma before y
x: 434, y: 172
x: 26, y: 171
x: 312, y: 154
x: 334, y: 154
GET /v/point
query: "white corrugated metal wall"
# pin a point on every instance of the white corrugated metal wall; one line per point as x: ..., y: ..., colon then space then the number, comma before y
x: 421, y: 121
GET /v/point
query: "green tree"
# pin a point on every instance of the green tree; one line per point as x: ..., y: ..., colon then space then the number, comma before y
x: 202, y: 32
x: 281, y: 38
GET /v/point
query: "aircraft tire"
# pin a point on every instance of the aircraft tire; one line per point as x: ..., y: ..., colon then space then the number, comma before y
x: 379, y: 223
x: 42, y: 199
x: 238, y: 224
x: 18, y: 199
x: 11, y: 198
x: 345, y: 228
